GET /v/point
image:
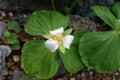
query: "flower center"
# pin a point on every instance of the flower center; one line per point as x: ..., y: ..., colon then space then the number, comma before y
x: 59, y: 39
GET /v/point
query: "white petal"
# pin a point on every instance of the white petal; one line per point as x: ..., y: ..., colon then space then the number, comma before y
x: 68, y: 40
x: 51, y: 45
x: 58, y: 31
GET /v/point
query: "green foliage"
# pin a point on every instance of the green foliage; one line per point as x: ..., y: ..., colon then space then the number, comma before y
x: 13, y: 25
x: 7, y: 34
x: 116, y: 9
x: 41, y: 22
x: 16, y: 45
x: 37, y: 60
x: 78, y: 35
x: 100, y: 50
x: 106, y: 15
x: 72, y: 60
x: 71, y: 5
x: 12, y: 39
x: 67, y: 32
x: 11, y: 34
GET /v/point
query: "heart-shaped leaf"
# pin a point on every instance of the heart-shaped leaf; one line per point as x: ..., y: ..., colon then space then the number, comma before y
x: 38, y: 61
x: 101, y: 51
x: 106, y: 15
x: 72, y: 60
x: 41, y: 22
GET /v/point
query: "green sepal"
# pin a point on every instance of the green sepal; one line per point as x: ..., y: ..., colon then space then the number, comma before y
x: 62, y: 49
x: 67, y: 32
x: 47, y: 36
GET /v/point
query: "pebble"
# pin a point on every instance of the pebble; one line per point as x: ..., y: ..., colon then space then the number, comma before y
x: 119, y: 69
x: 16, y: 58
x: 10, y: 14
x: 34, y: 38
x: 3, y: 14
x: 117, y: 73
x: 78, y: 75
x: 13, y: 67
x: 5, y: 72
x: 91, y: 73
x: 8, y: 64
x: 113, y: 78
x: 82, y: 74
x: 25, y: 15
x: 17, y: 74
x: 72, y: 78
x: 10, y: 72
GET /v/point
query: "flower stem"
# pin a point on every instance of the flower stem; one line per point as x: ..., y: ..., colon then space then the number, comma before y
x: 73, y: 4
x: 53, y: 4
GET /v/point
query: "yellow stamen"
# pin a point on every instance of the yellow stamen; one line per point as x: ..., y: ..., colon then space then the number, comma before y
x: 59, y: 39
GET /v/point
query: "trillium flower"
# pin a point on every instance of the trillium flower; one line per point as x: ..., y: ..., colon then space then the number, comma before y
x: 59, y: 38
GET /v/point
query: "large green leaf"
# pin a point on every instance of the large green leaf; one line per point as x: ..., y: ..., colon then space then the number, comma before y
x: 38, y: 61
x: 101, y: 51
x: 41, y: 22
x: 105, y: 14
x: 116, y: 9
x: 72, y: 60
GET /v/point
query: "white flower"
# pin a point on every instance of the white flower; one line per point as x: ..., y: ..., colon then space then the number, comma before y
x: 57, y: 38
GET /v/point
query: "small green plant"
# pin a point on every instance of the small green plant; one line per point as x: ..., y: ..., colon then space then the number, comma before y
x: 101, y: 50
x: 68, y: 8
x: 11, y: 34
x: 39, y: 57
x: 71, y: 5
